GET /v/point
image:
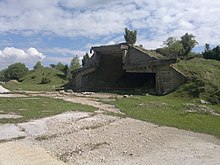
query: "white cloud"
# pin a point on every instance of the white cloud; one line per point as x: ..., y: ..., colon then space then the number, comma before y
x: 65, y: 52
x: 55, y: 60
x: 155, y: 19
x: 10, y: 55
x: 63, y: 55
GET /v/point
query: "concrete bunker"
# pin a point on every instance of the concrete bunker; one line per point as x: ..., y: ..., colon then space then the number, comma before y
x: 125, y: 67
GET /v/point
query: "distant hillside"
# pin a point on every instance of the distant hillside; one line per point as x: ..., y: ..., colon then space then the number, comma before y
x: 35, y: 77
x: 204, y: 78
x: 52, y: 78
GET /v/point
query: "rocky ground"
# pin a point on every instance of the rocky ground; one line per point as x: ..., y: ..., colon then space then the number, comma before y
x: 78, y: 138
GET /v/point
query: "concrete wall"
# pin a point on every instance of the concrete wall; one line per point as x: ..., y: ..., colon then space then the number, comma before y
x: 105, y: 76
x: 168, y: 79
x: 136, y: 57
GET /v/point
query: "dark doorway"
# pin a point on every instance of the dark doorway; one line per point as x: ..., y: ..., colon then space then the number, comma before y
x: 138, y: 80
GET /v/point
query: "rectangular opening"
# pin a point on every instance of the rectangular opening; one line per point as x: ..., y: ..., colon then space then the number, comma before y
x: 138, y: 80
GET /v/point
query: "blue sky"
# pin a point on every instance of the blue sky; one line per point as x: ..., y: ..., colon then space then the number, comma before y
x: 54, y: 31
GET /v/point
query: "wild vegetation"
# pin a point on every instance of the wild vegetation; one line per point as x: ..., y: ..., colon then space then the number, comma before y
x: 211, y: 53
x: 130, y: 36
x: 182, y: 48
x: 40, y: 78
x: 203, y: 79
x: 15, y: 71
x: 46, y: 79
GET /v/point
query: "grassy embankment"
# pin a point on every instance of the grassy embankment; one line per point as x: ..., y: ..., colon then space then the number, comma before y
x: 37, y: 107
x: 33, y: 81
x: 172, y: 110
x: 204, y: 79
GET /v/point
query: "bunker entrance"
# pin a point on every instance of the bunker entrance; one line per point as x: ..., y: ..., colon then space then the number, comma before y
x: 138, y: 80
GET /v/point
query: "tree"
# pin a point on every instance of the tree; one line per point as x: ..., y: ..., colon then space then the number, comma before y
x: 188, y: 42
x: 2, y: 75
x: 172, y: 48
x: 66, y: 71
x: 85, y: 59
x: 182, y: 47
x: 130, y: 36
x: 16, y: 71
x: 75, y: 64
x: 207, y: 47
x: 38, y: 65
x: 60, y: 66
x: 52, y: 65
x: 211, y: 53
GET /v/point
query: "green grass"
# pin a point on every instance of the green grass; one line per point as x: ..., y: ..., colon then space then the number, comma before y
x: 33, y: 80
x: 170, y: 111
x: 35, y: 77
x: 205, y: 71
x: 37, y: 107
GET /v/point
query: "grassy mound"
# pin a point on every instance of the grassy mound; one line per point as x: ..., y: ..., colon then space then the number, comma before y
x: 204, y: 78
x: 43, y: 79
x: 36, y: 77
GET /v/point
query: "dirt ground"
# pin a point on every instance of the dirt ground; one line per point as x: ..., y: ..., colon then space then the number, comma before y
x: 78, y: 138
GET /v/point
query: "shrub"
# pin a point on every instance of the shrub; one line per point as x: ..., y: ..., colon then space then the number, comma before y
x: 215, y: 98
x: 33, y: 77
x: 45, y: 80
x: 196, y: 87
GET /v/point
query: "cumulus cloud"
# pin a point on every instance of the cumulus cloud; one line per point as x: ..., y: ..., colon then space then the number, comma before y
x: 10, y: 55
x: 155, y: 19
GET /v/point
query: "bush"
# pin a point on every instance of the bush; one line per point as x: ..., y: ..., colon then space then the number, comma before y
x: 196, y: 87
x: 33, y: 77
x: 215, y: 98
x: 193, y: 88
x: 45, y: 80
x: 16, y: 71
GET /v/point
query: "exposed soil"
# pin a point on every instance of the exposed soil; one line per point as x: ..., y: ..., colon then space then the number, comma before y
x: 78, y: 138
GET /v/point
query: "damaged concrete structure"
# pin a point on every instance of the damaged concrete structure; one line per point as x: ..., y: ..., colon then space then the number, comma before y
x: 124, y: 66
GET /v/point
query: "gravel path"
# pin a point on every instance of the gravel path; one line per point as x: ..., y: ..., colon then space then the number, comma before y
x: 78, y: 138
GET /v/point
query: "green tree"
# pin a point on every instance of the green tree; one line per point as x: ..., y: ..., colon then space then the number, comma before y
x: 16, y: 71
x: 188, y: 42
x: 172, y: 48
x: 38, y: 65
x: 75, y: 64
x: 66, y: 71
x: 211, y: 53
x: 130, y: 36
x: 2, y: 75
x: 85, y: 59
x: 52, y: 65
x: 207, y: 47
x: 60, y: 66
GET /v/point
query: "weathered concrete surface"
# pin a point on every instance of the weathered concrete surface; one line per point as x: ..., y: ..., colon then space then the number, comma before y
x: 79, y: 138
x: 107, y: 140
x: 17, y: 153
x: 3, y: 90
